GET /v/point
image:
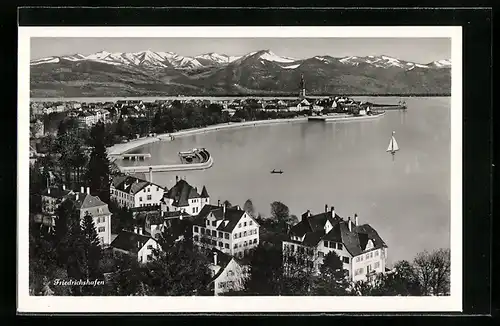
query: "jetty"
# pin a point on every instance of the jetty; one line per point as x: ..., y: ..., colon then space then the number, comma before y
x: 386, y: 107
x: 133, y: 157
x: 168, y: 167
x: 344, y: 117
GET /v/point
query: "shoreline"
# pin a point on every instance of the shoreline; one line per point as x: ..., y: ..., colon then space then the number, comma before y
x: 124, y: 148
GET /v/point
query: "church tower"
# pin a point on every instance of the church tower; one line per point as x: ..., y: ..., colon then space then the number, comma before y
x: 302, y: 93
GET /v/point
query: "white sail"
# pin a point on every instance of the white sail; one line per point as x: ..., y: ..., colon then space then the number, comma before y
x: 393, y: 145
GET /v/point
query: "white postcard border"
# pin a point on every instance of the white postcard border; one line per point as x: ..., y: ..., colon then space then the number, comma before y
x: 27, y: 303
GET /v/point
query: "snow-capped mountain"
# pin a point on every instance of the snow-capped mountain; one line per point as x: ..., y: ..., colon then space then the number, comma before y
x: 216, y: 58
x: 382, y: 61
x: 441, y: 63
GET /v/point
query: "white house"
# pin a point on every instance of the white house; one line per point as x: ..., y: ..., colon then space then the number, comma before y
x: 228, y: 273
x: 185, y: 198
x: 360, y: 248
x: 231, y: 230
x: 136, y: 244
x: 129, y: 191
x: 99, y: 210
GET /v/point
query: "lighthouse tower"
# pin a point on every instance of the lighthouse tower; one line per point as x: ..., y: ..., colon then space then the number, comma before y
x: 302, y: 93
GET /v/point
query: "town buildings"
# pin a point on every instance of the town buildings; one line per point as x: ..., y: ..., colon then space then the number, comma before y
x: 228, y: 273
x: 129, y: 191
x: 136, y: 244
x: 230, y: 230
x: 185, y: 198
x: 52, y: 197
x: 88, y: 118
x: 99, y: 210
x: 359, y: 247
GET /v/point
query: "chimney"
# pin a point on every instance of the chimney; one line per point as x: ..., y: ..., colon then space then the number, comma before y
x: 64, y: 187
x: 215, y: 258
x: 48, y: 190
x: 135, y: 229
x: 332, y: 209
x: 136, y: 180
x: 88, y: 190
x: 218, y: 202
x: 349, y: 223
x: 356, y: 219
x: 176, y: 178
x: 140, y: 230
x: 326, y: 208
x: 224, y: 210
x: 82, y: 190
x: 151, y: 174
x: 309, y: 213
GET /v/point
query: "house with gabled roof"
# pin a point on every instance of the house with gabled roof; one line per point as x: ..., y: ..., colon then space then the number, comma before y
x: 185, y: 198
x: 359, y: 247
x: 131, y: 192
x: 92, y: 205
x: 228, y: 273
x: 52, y: 197
x: 136, y: 244
x: 230, y: 230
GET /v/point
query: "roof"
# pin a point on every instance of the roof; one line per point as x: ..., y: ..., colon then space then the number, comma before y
x: 222, y: 261
x: 56, y: 192
x: 355, y: 241
x: 204, y: 193
x: 230, y: 218
x: 181, y: 193
x: 86, y: 201
x: 127, y: 240
x: 131, y: 185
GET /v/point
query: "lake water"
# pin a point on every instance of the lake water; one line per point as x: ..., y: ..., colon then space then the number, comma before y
x: 343, y: 164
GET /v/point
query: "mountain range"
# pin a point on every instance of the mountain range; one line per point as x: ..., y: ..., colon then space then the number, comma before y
x: 150, y: 73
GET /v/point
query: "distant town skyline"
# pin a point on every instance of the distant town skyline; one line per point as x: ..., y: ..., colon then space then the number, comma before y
x: 419, y: 50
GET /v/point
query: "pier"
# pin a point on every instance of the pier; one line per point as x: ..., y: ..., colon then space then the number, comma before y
x: 133, y: 157
x: 168, y: 167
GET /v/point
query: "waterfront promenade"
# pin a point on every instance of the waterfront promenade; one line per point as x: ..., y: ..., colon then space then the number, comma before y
x: 122, y: 148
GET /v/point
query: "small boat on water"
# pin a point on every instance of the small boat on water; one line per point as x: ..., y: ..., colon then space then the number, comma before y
x: 276, y: 172
x: 393, y: 145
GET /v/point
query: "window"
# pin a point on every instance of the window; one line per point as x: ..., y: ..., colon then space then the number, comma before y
x: 195, y: 238
x: 221, y: 244
x: 239, y: 225
x: 245, y: 224
x: 376, y: 253
x: 339, y: 246
x: 376, y: 265
x: 230, y: 273
x: 149, y: 197
x: 148, y: 190
x: 214, y: 223
x: 220, y: 234
x: 239, y: 235
x: 196, y: 229
x: 226, y: 245
x: 254, y: 240
x: 239, y: 245
x: 101, y: 229
x: 208, y: 223
x: 245, y: 243
x: 320, y: 254
x: 345, y: 260
x: 221, y: 285
x: 235, y: 245
x: 214, y: 233
x: 360, y: 258
x: 235, y: 236
x: 140, y: 198
x: 292, y: 247
x: 148, y: 258
x: 214, y: 243
x: 202, y: 230
x: 245, y: 233
x: 226, y: 236
x: 150, y: 247
x: 371, y: 254
x: 332, y: 245
x: 101, y: 239
x: 325, y: 243
x: 367, y: 256
x: 368, y: 269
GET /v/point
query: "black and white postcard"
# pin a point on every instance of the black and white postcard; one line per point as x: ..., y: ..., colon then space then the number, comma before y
x: 240, y: 169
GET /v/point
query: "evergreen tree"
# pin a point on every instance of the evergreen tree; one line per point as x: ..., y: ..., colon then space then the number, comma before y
x: 92, y: 246
x: 266, y: 273
x: 98, y: 173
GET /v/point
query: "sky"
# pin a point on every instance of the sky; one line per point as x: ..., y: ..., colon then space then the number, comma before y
x: 420, y: 50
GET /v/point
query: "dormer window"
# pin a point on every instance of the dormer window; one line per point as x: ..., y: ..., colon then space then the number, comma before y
x: 208, y: 223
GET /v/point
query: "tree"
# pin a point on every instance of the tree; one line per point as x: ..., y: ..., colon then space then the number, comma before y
x: 332, y: 266
x: 179, y: 271
x: 433, y: 271
x: 266, y: 273
x: 248, y: 207
x: 331, y: 280
x: 280, y: 211
x: 91, y: 247
x: 98, y: 173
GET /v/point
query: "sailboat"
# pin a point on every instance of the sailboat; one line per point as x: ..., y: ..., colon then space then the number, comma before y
x: 393, y: 145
